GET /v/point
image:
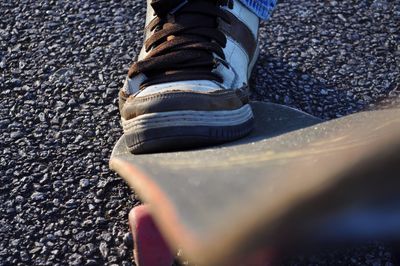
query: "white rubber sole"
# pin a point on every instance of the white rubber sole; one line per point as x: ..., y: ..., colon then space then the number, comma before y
x: 188, y: 118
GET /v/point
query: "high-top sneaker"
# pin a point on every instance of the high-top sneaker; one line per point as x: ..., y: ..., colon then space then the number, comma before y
x: 189, y: 87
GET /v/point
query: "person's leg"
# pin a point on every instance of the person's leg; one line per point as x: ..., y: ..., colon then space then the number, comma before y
x: 190, y: 85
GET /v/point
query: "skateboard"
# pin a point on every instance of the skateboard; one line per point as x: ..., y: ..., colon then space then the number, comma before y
x: 294, y: 178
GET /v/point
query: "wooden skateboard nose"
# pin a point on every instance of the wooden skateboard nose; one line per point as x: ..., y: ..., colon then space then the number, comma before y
x: 291, y: 176
x: 150, y: 248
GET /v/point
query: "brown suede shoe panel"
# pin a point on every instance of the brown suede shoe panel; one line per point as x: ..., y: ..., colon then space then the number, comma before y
x: 176, y: 101
x: 240, y: 33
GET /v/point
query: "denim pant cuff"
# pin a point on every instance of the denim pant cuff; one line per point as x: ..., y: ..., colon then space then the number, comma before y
x: 262, y: 8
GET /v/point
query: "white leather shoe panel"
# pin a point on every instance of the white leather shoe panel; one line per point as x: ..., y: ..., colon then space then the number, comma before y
x: 238, y: 59
x: 149, y: 13
x: 228, y: 73
x: 132, y: 85
x: 149, y: 17
x: 201, y: 86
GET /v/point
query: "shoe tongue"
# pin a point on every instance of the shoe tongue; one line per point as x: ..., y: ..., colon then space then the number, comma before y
x: 192, y: 18
x: 163, y: 7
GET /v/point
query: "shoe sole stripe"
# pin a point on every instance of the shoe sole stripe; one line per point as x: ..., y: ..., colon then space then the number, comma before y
x: 189, y: 118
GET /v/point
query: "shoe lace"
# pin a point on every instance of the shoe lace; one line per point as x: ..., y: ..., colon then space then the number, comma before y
x: 185, y: 39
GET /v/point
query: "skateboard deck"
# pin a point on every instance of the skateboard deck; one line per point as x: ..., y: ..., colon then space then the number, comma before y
x: 293, y: 175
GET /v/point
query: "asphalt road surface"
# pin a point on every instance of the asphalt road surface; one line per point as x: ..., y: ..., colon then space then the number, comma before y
x: 61, y: 65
